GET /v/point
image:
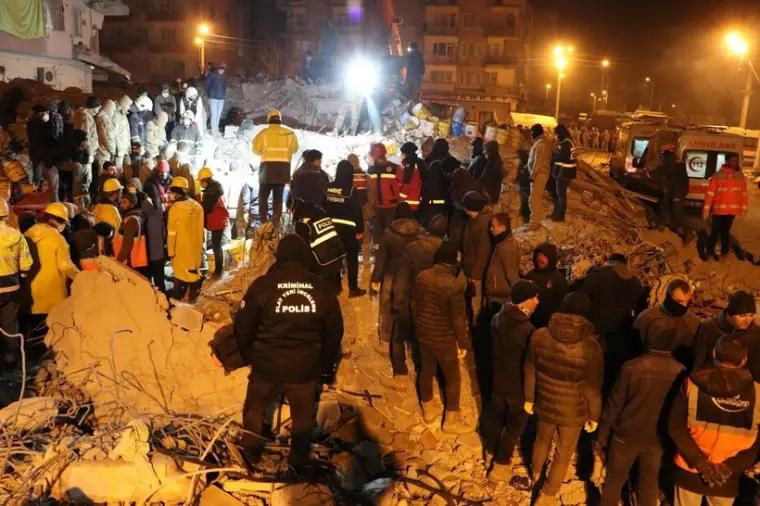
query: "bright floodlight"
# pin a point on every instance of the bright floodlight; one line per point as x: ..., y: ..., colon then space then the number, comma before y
x: 203, y: 29
x: 362, y: 76
x: 560, y: 62
x: 605, y: 63
x: 736, y: 44
x: 198, y: 40
x: 570, y: 49
x: 673, y: 106
x: 592, y: 93
x: 548, y: 86
x: 558, y: 50
x: 648, y: 79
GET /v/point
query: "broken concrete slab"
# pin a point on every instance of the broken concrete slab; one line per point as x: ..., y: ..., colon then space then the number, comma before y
x: 328, y: 415
x: 302, y: 494
x: 247, y: 486
x: 428, y: 440
x: 33, y: 413
x: 214, y: 496
x: 186, y: 317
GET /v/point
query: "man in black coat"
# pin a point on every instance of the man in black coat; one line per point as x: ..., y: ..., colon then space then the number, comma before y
x: 636, y: 412
x: 476, y: 247
x: 673, y: 178
x: 478, y: 161
x: 504, y: 419
x: 552, y: 284
x: 738, y: 319
x: 289, y: 329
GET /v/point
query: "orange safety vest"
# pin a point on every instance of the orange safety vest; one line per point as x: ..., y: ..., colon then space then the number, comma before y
x: 138, y: 257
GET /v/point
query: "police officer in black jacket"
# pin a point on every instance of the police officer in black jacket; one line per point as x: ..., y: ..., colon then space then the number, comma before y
x: 289, y: 330
x: 317, y: 229
x: 343, y: 205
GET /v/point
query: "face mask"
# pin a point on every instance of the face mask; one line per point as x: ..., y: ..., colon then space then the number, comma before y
x: 674, y: 308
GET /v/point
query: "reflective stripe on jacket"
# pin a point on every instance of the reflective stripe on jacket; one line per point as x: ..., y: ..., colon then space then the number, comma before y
x: 275, y: 143
x: 15, y: 258
x: 56, y: 268
x: 384, y: 184
x: 410, y: 192
x: 727, y: 194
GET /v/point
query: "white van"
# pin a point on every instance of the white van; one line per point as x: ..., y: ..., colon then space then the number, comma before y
x: 631, y: 146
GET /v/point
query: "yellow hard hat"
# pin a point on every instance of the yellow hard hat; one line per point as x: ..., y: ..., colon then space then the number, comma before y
x: 112, y: 185
x: 4, y: 208
x: 205, y: 173
x: 58, y: 210
x: 274, y: 113
x: 179, y: 182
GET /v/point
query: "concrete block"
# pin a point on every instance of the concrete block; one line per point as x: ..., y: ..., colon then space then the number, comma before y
x: 35, y: 412
x: 214, y: 496
x: 187, y: 317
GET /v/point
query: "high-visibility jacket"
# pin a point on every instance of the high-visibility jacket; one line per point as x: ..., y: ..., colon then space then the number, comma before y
x: 410, y: 183
x: 344, y: 207
x: 185, y: 239
x: 108, y: 213
x: 275, y: 143
x: 15, y: 259
x: 727, y: 194
x: 361, y: 183
x: 49, y: 284
x: 324, y: 241
x: 384, y: 185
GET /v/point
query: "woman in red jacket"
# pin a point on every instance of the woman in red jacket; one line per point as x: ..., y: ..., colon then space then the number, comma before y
x: 217, y: 216
x: 726, y: 199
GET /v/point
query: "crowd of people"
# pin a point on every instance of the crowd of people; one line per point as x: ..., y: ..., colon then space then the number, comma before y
x: 587, y: 357
x: 592, y: 137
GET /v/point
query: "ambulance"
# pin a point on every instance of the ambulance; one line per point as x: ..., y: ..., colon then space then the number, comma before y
x: 702, y: 149
x: 631, y: 146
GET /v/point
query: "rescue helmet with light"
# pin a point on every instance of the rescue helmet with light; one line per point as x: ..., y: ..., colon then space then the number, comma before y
x: 58, y: 210
x: 205, y: 173
x: 112, y: 185
x: 179, y: 182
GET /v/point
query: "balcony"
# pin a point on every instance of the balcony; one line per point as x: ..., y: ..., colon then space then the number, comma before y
x: 441, y: 3
x: 435, y: 29
x: 500, y: 61
x: 502, y: 31
x: 440, y: 59
x: 494, y: 90
x: 167, y: 47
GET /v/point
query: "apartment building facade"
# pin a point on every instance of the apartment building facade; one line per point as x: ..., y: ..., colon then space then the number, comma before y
x: 158, y: 38
x: 57, y: 42
x: 475, y: 55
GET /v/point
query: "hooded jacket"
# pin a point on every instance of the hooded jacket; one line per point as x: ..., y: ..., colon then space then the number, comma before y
x: 84, y: 119
x: 438, y: 309
x: 106, y: 140
x: 710, y: 331
x: 614, y: 293
x: 392, y: 250
x: 715, y: 417
x: 510, y: 337
x: 476, y: 245
x: 551, y: 283
x: 214, y: 208
x: 48, y: 286
x: 15, y: 259
x: 493, y: 173
x: 503, y: 268
x: 564, y: 372
x: 309, y: 184
x: 216, y: 85
x: 185, y: 239
x: 540, y: 158
x: 121, y: 131
x: 276, y: 146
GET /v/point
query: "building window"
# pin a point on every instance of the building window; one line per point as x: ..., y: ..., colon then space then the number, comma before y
x: 444, y: 49
x: 485, y: 20
x: 481, y: 51
x: 465, y: 49
x: 442, y: 76
x: 510, y: 28
x: 497, y: 2
x: 168, y: 35
x: 445, y: 20
x: 167, y: 5
x: 141, y: 35
x: 492, y: 77
x: 468, y: 20
x: 77, y: 22
x: 494, y: 50
x: 56, y: 15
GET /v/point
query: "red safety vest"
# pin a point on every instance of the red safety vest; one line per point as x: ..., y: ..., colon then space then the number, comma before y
x: 385, y: 185
x: 410, y: 192
x: 360, y: 180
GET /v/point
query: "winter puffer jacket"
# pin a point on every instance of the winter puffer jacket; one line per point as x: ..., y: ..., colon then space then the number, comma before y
x: 106, y: 140
x: 564, y: 372
x: 552, y: 285
x: 614, y: 293
x: 84, y: 119
x: 309, y: 184
x: 686, y: 328
x: 217, y: 216
x: 476, y: 245
x: 438, y: 309
x: 290, y: 326
x: 392, y: 250
x: 503, y: 269
x: 493, y: 175
x: 710, y: 331
x: 510, y: 336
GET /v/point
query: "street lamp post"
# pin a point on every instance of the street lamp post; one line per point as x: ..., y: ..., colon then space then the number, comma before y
x: 548, y: 88
x: 203, y: 30
x: 605, y: 64
x: 651, y: 95
x: 560, y: 62
x: 593, y: 100
x: 737, y: 45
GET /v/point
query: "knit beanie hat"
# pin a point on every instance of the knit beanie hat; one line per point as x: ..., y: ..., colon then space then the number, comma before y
x: 130, y: 197
x: 729, y: 350
x: 741, y: 302
x: 446, y: 253
x: 576, y: 303
x: 661, y: 334
x: 438, y: 225
x: 403, y: 210
x: 292, y: 248
x: 474, y: 201
x: 136, y: 183
x: 162, y: 166
x: 536, y: 131
x: 477, y: 145
x: 523, y: 290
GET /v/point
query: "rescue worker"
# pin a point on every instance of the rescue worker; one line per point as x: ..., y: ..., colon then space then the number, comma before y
x: 165, y: 102
x: 106, y: 151
x: 289, y: 330
x: 84, y: 119
x: 714, y: 425
x: 155, y: 230
x: 361, y: 182
x: 49, y: 285
x: 539, y: 165
x: 184, y: 240
x: 392, y: 254
x: 342, y: 203
x: 186, y: 137
x: 318, y: 230
x: 435, y: 185
x: 121, y: 134
x: 15, y: 263
x: 410, y: 177
x: 726, y: 199
x: 440, y: 319
x: 130, y: 244
x: 309, y: 180
x: 384, y: 188
x: 217, y: 218
x: 564, y: 169
x: 247, y: 218
x: 415, y: 69
x: 216, y: 88
x: 106, y: 211
x: 155, y: 135
x: 276, y: 146
x: 157, y: 186
x: 192, y: 102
